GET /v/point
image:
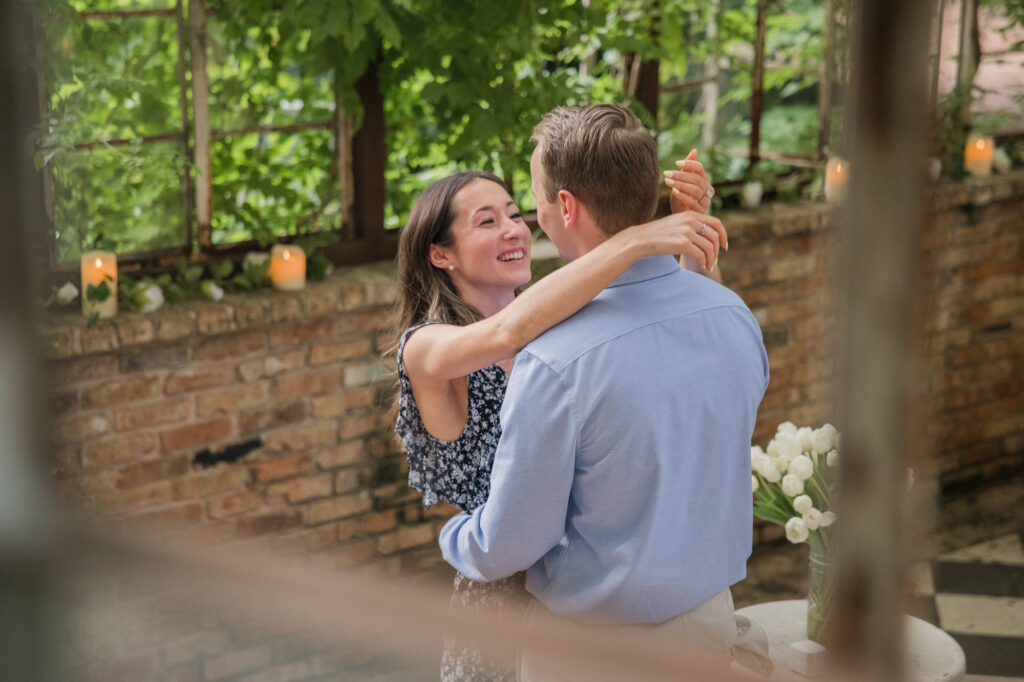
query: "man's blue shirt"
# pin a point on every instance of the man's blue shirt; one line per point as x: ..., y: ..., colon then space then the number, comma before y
x: 622, y: 477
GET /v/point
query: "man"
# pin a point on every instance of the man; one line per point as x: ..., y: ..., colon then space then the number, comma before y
x: 622, y: 478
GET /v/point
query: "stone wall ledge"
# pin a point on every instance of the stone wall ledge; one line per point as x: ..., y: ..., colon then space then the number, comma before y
x: 349, y: 288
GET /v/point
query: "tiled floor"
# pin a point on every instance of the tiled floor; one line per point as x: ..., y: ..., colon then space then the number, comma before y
x: 976, y: 594
x: 972, y: 586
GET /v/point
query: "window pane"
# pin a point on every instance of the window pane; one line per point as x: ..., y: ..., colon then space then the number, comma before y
x: 270, y: 185
x: 261, y: 77
x: 129, y: 198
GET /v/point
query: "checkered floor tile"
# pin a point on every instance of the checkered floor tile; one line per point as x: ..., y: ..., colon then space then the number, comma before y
x: 976, y: 594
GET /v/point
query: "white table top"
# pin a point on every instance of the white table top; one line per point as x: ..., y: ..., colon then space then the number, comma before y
x: 931, y: 654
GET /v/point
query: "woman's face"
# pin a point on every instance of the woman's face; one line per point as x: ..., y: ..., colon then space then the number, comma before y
x: 491, y: 252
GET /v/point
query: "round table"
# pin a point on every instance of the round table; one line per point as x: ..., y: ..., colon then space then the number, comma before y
x: 931, y: 654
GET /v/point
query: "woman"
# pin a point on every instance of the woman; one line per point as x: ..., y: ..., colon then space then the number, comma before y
x: 462, y: 257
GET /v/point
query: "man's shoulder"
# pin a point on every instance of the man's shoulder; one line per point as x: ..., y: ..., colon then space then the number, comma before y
x: 620, y: 310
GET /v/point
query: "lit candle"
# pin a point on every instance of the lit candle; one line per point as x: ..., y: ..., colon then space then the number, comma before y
x: 978, y: 155
x: 99, y: 267
x: 751, y: 196
x: 837, y: 175
x: 287, y: 267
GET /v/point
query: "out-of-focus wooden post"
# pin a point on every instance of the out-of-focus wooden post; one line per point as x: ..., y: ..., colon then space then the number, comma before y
x: 712, y: 71
x: 825, y: 79
x: 969, y: 57
x: 940, y: 11
x: 201, y: 122
x: 757, y: 84
x: 879, y: 373
x: 27, y: 534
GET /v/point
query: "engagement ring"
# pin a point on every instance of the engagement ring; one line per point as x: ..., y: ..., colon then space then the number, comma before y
x: 709, y: 193
x: 703, y: 227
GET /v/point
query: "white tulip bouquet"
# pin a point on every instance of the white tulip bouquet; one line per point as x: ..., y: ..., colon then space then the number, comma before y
x: 793, y: 480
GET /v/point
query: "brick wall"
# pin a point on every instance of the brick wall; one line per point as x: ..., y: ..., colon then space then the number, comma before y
x: 137, y: 397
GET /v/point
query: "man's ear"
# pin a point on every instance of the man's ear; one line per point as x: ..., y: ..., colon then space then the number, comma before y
x: 569, y: 206
x: 439, y: 257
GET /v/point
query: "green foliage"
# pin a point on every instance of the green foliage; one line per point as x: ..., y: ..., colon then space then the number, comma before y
x: 464, y: 81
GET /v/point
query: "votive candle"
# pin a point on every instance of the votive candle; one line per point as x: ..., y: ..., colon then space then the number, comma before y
x: 99, y: 267
x: 978, y: 155
x: 287, y: 267
x: 837, y: 176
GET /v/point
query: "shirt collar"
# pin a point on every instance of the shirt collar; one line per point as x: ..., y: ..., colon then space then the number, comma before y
x: 647, y: 268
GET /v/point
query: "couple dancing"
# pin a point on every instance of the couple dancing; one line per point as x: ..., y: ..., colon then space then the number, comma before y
x: 611, y: 463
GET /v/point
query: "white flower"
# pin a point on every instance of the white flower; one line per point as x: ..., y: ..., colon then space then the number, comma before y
x: 796, y: 530
x: 67, y: 293
x: 756, y: 453
x: 802, y: 467
x: 802, y: 504
x: 211, y: 290
x: 791, y: 485
x: 770, y: 472
x: 149, y: 298
x: 1001, y: 161
x: 255, y: 258
x: 827, y: 519
x: 786, y: 429
x: 784, y: 448
x: 803, y: 436
x: 832, y: 459
x: 753, y: 483
x: 824, y: 439
x: 836, y: 444
x: 812, y: 519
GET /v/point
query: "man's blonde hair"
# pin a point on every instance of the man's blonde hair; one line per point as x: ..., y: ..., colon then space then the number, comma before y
x: 604, y: 156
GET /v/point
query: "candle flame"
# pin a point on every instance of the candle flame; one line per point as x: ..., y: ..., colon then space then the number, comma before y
x: 286, y: 254
x: 839, y: 168
x: 980, y: 144
x: 99, y: 262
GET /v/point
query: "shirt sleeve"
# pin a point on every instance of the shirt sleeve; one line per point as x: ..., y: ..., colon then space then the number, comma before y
x: 525, y: 513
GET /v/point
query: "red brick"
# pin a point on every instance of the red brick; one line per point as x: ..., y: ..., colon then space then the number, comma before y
x: 353, y: 553
x: 378, y: 522
x: 81, y: 428
x: 273, y: 522
x: 60, y: 342
x: 302, y: 332
x: 320, y: 301
x: 339, y: 508
x: 339, y: 403
x: 195, y: 435
x: 117, y: 502
x: 133, y: 330
x: 351, y: 452
x: 283, y: 467
x: 193, y: 378
x: 340, y: 350
x: 280, y: 415
x: 121, y: 391
x: 230, y: 347
x: 309, y: 488
x: 347, y: 480
x: 272, y: 365
x: 234, y: 504
x: 232, y: 478
x: 368, y: 373
x: 285, y: 672
x: 286, y: 308
x: 354, y: 426
x: 153, y: 414
x: 99, y: 339
x: 361, y: 321
x: 143, y: 473
x: 302, y: 437
x: 84, y: 369
x: 230, y: 400
x: 214, y: 318
x: 291, y: 386
x: 172, y: 325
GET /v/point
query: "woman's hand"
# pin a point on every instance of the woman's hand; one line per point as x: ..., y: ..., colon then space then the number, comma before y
x: 691, y: 188
x: 687, y: 233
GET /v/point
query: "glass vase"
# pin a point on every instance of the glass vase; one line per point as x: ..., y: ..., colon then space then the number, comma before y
x: 820, y: 588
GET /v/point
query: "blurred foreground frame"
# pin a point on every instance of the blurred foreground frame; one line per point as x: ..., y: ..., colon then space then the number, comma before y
x: 47, y: 555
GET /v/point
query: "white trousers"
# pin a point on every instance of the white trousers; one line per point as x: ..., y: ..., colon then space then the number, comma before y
x: 711, y: 629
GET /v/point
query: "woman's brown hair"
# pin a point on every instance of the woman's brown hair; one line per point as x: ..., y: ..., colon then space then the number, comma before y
x: 426, y: 292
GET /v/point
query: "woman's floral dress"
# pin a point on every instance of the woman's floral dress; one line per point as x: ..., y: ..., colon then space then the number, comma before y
x: 459, y: 471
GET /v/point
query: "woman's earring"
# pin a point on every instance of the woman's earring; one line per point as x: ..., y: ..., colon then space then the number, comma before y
x: 451, y: 267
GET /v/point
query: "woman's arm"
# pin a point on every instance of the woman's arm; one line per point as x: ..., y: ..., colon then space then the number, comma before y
x: 440, y: 352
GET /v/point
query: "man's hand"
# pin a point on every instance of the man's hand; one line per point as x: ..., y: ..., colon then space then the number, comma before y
x: 691, y: 188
